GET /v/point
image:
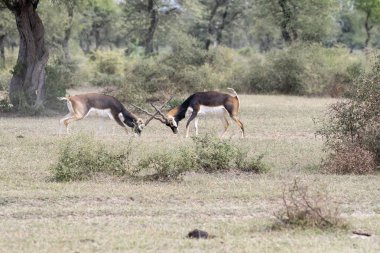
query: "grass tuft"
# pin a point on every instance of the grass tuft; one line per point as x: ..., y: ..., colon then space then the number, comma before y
x: 301, y: 209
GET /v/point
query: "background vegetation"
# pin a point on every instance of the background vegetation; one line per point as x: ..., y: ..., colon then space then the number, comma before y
x: 141, y: 50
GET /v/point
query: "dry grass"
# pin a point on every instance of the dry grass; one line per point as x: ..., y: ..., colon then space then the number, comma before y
x: 109, y: 215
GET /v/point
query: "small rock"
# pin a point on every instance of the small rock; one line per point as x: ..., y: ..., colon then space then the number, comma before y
x: 197, y: 234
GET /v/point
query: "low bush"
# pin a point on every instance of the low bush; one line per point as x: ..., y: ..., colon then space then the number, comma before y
x: 5, y: 104
x: 214, y: 154
x: 302, y: 209
x: 207, y: 153
x: 82, y: 157
x: 164, y: 166
x: 350, y: 158
x: 246, y: 163
x: 5, y: 78
x: 108, y: 68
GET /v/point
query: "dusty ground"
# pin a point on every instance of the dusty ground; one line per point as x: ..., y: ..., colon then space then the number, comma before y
x: 109, y: 215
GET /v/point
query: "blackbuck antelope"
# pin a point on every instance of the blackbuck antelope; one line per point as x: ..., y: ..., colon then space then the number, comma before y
x: 203, y: 103
x: 80, y: 106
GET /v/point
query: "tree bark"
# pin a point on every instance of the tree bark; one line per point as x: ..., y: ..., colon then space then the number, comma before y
x: 210, y: 27
x: 67, y: 33
x: 2, y: 50
x: 149, y: 48
x: 27, y: 86
x: 285, y: 23
x: 221, y: 27
x: 368, y: 29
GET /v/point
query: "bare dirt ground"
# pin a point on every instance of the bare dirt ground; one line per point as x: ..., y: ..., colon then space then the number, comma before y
x: 113, y: 215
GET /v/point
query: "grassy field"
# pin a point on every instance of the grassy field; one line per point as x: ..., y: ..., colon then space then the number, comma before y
x: 112, y: 215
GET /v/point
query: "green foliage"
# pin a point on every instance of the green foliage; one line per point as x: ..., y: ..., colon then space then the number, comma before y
x: 107, y: 68
x: 5, y: 105
x: 82, y: 157
x: 60, y: 75
x: 250, y: 164
x: 353, y: 125
x: 179, y: 72
x: 5, y: 78
x: 214, y: 154
x: 206, y: 153
x: 302, y: 209
x: 305, y: 70
x: 108, y: 62
x: 164, y: 166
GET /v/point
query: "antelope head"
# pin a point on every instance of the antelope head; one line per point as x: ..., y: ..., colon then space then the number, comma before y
x: 169, y: 121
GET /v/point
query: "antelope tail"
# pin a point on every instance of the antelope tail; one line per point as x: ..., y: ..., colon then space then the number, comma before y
x: 233, y: 91
x: 63, y: 98
x: 236, y: 95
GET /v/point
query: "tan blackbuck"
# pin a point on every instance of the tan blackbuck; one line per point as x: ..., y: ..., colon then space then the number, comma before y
x: 80, y: 106
x: 203, y: 103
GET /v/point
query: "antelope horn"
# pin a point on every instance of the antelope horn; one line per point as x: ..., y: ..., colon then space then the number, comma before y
x: 153, y: 116
x: 159, y: 110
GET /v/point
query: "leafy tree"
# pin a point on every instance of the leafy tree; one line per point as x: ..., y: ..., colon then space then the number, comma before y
x: 98, y: 23
x: 371, y: 8
x: 59, y: 22
x: 350, y: 21
x: 7, y: 28
x: 27, y: 86
x: 143, y: 19
x: 305, y: 20
x: 217, y: 17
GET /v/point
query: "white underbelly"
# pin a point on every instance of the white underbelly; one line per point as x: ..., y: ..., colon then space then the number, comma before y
x: 210, y: 110
x: 104, y: 113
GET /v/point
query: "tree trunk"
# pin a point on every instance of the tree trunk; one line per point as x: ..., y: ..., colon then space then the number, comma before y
x: 27, y: 86
x: 368, y: 29
x: 149, y: 48
x: 2, y: 50
x: 210, y: 27
x: 285, y: 22
x: 67, y: 34
x: 221, y: 27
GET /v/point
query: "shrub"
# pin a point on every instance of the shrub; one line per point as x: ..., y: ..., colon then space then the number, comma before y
x: 164, y: 166
x: 108, y: 62
x: 108, y: 68
x: 81, y: 157
x: 60, y: 75
x: 250, y: 164
x: 5, y: 105
x: 350, y: 158
x: 214, y: 154
x: 302, y: 209
x: 5, y: 78
x: 353, y: 125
